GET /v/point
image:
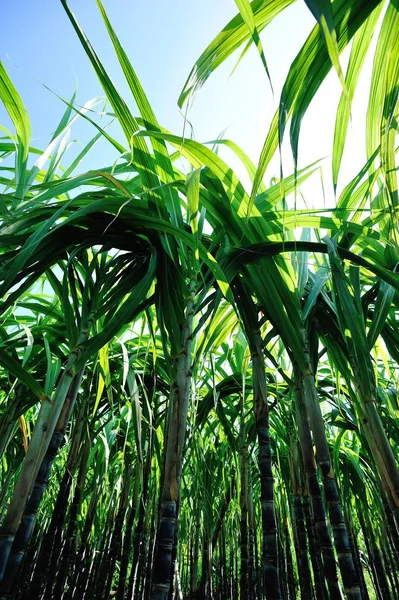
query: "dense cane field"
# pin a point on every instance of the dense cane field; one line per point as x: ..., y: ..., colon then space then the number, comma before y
x: 199, y: 375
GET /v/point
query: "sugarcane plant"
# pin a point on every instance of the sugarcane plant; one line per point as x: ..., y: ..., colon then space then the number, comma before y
x: 198, y: 380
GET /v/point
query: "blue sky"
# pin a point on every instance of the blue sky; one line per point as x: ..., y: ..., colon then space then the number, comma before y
x: 163, y: 40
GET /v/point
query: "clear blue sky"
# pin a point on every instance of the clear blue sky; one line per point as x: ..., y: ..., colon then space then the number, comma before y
x: 163, y: 39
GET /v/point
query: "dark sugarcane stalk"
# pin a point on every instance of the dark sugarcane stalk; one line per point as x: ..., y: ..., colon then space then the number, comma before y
x: 293, y: 509
x: 82, y: 585
x: 209, y: 564
x: 291, y: 587
x: 252, y: 564
x: 282, y: 567
x: 52, y: 544
x: 391, y: 575
x: 142, y: 557
x: 25, y: 529
x: 323, y: 537
x: 183, y: 572
x: 355, y: 551
x: 235, y: 572
x: 98, y: 549
x: 139, y: 542
x: 389, y: 516
x: 195, y: 550
x: 196, y: 591
x: 48, y: 557
x: 358, y: 565
x: 107, y: 566
x: 205, y: 589
x: 298, y: 521
x: 231, y: 570
x: 377, y: 570
x: 243, y: 462
x: 84, y: 557
x: 186, y: 576
x: 296, y: 547
x: 98, y: 574
x: 90, y: 587
x: 314, y: 551
x: 23, y: 535
x: 218, y: 565
x: 392, y: 532
x: 102, y: 568
x: 336, y: 517
x: 305, y: 580
x: 173, y: 574
x: 224, y: 588
x: 393, y: 565
x: 269, y: 525
x: 47, y: 560
x: 45, y: 425
x: 116, y: 542
x: 250, y: 320
x: 244, y: 584
x: 146, y: 566
x: 331, y: 493
x: 341, y: 539
x: 370, y: 564
x: 176, y: 432
x: 69, y: 547
x: 258, y: 571
x: 21, y: 583
x: 131, y: 514
x: 84, y: 560
x: 318, y: 510
x: 190, y: 566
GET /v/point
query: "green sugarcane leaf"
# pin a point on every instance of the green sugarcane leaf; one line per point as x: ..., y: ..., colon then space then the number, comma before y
x: 227, y: 41
x: 104, y: 378
x: 361, y: 44
x: 322, y: 12
x: 383, y: 303
x: 384, y: 80
x: 192, y: 191
x: 16, y: 109
x: 307, y: 73
x: 127, y: 310
x: 61, y: 289
x: 27, y: 253
x: 29, y: 345
x: 137, y: 413
x: 53, y: 369
x: 163, y: 163
x: 245, y: 8
x: 15, y: 369
x: 129, y: 125
x: 318, y: 282
x: 351, y: 324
